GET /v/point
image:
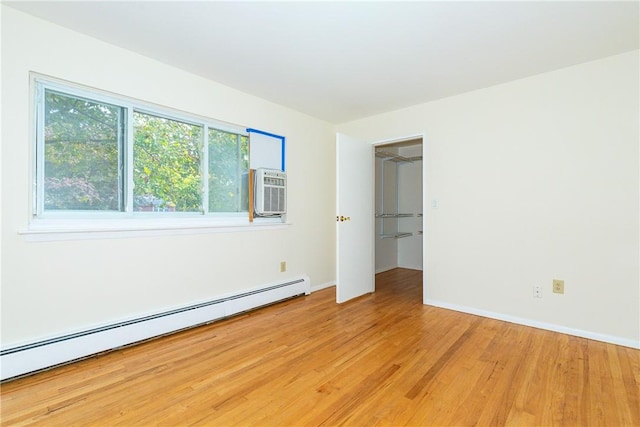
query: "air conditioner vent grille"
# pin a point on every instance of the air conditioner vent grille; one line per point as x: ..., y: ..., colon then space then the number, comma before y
x: 271, y: 192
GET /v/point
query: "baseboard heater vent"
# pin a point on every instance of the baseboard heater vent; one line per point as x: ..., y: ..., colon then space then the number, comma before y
x: 23, y: 359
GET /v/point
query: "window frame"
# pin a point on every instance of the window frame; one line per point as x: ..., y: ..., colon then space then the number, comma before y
x: 95, y: 223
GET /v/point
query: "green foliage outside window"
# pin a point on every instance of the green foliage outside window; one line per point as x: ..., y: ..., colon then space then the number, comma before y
x: 82, y: 142
x: 166, y: 164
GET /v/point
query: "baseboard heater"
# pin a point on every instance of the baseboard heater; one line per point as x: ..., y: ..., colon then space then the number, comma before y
x: 28, y: 358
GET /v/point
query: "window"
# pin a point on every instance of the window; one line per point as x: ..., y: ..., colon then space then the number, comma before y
x: 99, y: 154
x: 82, y: 151
x: 166, y: 164
x: 228, y: 172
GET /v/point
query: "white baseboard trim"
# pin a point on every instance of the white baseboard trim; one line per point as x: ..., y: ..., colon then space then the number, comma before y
x: 38, y: 355
x: 321, y: 286
x: 383, y: 269
x: 536, y: 324
x: 417, y: 268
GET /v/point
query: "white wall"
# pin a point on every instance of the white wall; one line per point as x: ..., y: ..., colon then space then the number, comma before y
x: 386, y: 250
x: 410, y: 201
x: 536, y: 179
x: 51, y: 288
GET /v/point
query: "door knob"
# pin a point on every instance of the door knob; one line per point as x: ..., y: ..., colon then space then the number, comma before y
x: 343, y: 218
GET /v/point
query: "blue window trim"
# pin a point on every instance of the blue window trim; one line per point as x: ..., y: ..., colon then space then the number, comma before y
x: 273, y: 135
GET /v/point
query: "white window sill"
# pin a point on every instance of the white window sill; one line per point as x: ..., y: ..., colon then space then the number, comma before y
x: 82, y: 229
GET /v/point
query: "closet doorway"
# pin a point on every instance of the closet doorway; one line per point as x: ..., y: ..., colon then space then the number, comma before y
x: 399, y: 222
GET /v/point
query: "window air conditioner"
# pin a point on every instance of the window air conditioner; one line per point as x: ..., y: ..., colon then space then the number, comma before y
x: 270, y: 192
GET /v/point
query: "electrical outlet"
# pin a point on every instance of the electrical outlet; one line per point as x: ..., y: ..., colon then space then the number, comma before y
x: 558, y: 286
x: 283, y: 266
x: 537, y: 291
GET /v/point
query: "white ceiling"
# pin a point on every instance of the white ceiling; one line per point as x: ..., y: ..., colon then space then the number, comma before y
x: 340, y: 61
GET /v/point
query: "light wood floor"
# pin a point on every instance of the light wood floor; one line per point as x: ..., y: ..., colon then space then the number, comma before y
x: 383, y: 359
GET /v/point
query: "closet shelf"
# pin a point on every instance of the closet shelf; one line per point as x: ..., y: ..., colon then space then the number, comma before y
x: 395, y: 235
x: 386, y: 155
x: 394, y: 215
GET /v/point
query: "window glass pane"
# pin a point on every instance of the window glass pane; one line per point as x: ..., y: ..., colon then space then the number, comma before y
x: 228, y: 172
x: 82, y: 153
x: 166, y: 165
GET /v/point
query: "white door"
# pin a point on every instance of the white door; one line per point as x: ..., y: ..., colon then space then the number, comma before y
x: 355, y: 218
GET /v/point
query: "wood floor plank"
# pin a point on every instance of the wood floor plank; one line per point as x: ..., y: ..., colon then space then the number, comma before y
x: 384, y: 359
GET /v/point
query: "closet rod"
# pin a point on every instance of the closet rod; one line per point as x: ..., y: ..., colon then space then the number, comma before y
x: 393, y: 157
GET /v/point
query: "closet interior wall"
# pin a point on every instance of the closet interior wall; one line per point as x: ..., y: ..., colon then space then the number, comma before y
x: 410, y: 200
